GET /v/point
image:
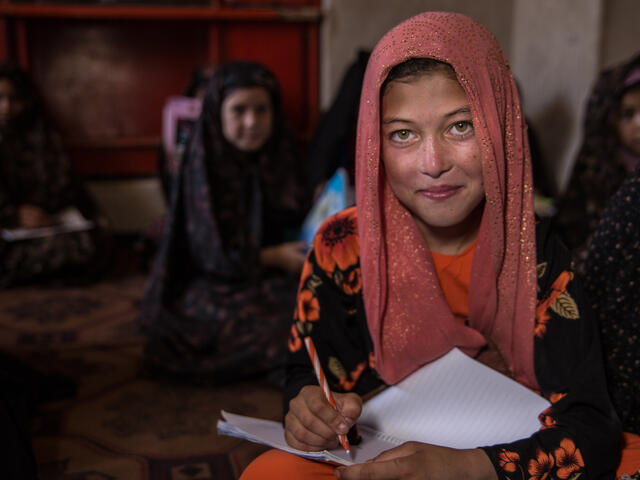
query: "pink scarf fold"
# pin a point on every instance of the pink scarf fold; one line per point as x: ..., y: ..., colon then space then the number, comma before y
x: 408, y: 317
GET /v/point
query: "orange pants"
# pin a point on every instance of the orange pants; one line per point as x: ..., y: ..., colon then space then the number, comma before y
x: 276, y: 464
x: 630, y: 462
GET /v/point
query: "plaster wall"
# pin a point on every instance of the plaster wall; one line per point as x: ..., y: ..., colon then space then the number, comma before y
x: 621, y: 31
x: 555, y: 56
x: 351, y: 25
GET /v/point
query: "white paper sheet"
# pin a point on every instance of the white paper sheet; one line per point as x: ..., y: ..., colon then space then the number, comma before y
x: 456, y: 402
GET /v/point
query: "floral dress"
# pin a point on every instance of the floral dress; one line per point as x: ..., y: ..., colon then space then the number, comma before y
x: 579, y: 434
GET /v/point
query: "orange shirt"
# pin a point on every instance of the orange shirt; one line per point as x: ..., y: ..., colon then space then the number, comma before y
x: 454, y: 272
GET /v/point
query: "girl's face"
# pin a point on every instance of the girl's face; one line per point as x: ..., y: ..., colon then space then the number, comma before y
x: 247, y: 118
x: 431, y: 156
x: 10, y: 105
x: 629, y: 120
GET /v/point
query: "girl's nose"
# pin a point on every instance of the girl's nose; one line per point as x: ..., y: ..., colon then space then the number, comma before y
x: 250, y: 118
x: 433, y: 160
x: 5, y: 105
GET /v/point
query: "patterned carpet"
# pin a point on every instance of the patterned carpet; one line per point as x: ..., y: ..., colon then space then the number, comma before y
x: 119, y: 424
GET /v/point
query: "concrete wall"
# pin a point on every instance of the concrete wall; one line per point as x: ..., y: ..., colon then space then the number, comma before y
x: 555, y: 56
x: 130, y: 205
x: 350, y: 25
x: 621, y: 31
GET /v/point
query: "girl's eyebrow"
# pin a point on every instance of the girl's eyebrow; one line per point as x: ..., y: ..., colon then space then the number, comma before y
x: 387, y: 121
x: 457, y: 111
x: 466, y: 109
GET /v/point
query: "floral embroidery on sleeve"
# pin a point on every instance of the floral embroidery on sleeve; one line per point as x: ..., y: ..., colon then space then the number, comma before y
x: 546, y: 420
x: 541, y: 466
x: 559, y: 301
x: 565, y: 462
x: 334, y: 246
x: 308, y: 306
x: 337, y: 254
x: 346, y: 380
x: 568, y: 459
x: 295, y: 343
x: 546, y: 417
x: 509, y: 461
x: 350, y: 281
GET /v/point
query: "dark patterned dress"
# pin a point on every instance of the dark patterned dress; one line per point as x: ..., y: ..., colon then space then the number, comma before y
x: 612, y: 276
x: 579, y: 434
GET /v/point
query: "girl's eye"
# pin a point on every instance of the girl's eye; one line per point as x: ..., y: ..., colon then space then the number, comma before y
x: 462, y: 127
x: 401, y: 135
x: 628, y: 113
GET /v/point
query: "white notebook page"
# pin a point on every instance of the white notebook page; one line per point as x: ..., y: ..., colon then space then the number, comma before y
x: 456, y: 402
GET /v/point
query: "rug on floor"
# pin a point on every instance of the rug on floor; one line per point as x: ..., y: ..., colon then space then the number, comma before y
x: 120, y: 424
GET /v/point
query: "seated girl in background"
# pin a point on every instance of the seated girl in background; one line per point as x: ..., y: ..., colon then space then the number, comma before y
x: 443, y: 251
x: 222, y: 288
x: 610, y: 151
x: 37, y: 183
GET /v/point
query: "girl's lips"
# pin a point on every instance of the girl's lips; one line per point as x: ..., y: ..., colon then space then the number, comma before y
x: 440, y: 193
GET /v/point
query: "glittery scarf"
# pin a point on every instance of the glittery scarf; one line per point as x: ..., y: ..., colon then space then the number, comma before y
x: 409, y: 320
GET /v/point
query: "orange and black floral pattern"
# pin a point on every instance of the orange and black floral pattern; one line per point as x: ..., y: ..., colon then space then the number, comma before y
x: 563, y: 463
x: 567, y: 355
x: 330, y: 309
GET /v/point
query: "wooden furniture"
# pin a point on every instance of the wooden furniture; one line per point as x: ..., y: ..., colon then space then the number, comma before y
x: 105, y: 70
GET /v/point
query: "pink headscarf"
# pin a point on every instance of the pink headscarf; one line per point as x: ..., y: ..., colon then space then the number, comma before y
x: 407, y: 314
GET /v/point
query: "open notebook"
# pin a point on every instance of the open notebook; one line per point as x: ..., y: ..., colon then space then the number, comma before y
x: 454, y: 401
x: 68, y: 220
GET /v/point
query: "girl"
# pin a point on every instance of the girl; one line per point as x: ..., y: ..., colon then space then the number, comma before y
x: 610, y: 151
x: 37, y: 182
x: 443, y: 251
x: 221, y: 290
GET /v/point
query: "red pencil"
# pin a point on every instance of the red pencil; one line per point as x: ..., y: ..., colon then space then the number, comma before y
x: 322, y: 381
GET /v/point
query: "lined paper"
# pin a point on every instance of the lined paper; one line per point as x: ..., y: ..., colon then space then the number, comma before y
x: 456, y: 402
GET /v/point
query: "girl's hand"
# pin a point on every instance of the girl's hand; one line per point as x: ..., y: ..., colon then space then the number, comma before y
x: 31, y: 216
x: 312, y: 424
x: 414, y: 460
x: 287, y: 256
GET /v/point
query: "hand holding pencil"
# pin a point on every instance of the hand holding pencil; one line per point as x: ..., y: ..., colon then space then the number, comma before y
x: 312, y: 423
x: 324, y: 385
